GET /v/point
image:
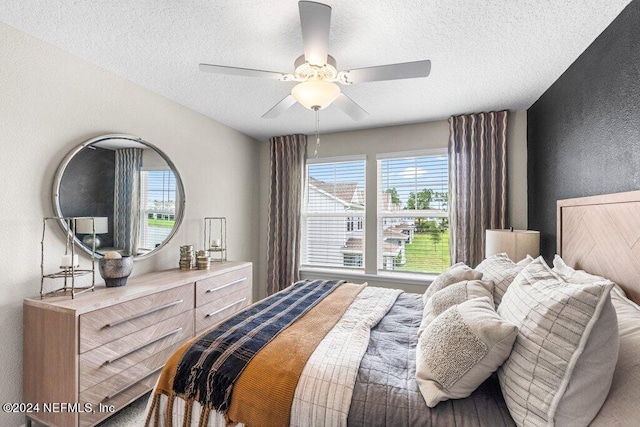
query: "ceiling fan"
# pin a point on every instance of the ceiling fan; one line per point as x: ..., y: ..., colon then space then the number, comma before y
x: 316, y: 71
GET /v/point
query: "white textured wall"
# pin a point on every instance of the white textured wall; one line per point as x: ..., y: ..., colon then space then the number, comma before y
x: 413, y: 137
x: 50, y: 101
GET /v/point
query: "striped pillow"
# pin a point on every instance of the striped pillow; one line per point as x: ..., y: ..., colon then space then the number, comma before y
x: 501, y: 270
x: 556, y: 321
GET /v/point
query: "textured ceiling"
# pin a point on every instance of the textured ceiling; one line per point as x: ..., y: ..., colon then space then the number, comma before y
x: 486, y: 55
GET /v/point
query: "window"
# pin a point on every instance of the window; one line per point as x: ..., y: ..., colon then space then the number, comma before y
x: 157, y: 196
x: 413, y: 218
x: 353, y: 260
x: 333, y: 215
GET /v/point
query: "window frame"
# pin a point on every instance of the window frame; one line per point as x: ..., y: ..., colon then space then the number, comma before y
x: 417, y: 213
x: 305, y: 214
x: 370, y: 216
x: 144, y: 237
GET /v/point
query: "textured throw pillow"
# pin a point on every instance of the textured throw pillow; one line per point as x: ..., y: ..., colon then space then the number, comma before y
x: 454, y: 274
x: 501, y: 270
x: 563, y: 359
x: 453, y: 295
x: 460, y: 349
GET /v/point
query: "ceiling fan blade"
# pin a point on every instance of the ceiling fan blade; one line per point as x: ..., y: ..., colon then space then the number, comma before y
x: 235, y: 71
x: 315, y: 19
x: 280, y: 107
x: 405, y: 70
x: 349, y: 106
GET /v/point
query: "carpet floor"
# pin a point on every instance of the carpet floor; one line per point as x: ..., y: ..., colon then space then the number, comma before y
x: 133, y: 415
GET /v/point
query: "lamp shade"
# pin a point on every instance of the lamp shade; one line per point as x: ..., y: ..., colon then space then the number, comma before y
x: 85, y: 225
x: 315, y: 93
x: 517, y: 244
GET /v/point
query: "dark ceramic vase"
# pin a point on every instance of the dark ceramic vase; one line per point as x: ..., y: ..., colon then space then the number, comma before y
x: 116, y: 271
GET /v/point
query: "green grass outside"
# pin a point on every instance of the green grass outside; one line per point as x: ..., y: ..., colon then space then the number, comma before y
x: 425, y: 256
x: 161, y: 223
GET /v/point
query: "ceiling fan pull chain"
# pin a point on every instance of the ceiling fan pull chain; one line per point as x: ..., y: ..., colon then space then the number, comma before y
x: 315, y: 153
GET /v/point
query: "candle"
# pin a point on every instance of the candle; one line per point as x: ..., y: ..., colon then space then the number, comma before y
x: 66, y: 261
x: 215, y: 243
x: 112, y: 255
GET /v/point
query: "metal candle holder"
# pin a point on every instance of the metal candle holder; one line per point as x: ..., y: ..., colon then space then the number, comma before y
x: 215, y: 231
x: 67, y: 273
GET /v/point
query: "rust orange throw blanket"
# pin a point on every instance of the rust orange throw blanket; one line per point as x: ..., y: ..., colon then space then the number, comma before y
x: 263, y: 393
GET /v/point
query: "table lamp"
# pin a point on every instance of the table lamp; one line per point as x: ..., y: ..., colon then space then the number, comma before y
x: 85, y: 226
x: 517, y: 244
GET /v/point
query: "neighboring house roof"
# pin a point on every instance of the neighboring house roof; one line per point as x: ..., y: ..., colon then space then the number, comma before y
x: 401, y: 228
x: 345, y: 192
x: 405, y: 226
x: 354, y: 246
x: 394, y: 235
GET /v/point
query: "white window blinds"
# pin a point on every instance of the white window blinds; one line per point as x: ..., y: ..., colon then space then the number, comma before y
x: 413, y: 217
x: 333, y: 215
x: 158, y: 210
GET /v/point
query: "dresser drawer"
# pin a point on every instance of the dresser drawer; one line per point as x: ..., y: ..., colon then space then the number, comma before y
x: 102, y: 362
x: 216, y: 287
x: 121, y: 389
x: 212, y: 313
x: 107, y: 324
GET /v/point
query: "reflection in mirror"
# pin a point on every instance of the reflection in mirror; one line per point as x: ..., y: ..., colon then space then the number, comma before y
x: 131, y: 189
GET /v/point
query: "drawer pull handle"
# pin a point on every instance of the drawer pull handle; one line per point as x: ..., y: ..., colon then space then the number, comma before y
x: 226, y: 307
x: 144, y: 313
x: 140, y: 347
x: 227, y: 285
x: 122, y: 390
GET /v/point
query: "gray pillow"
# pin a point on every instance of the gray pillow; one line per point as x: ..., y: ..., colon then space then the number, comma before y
x: 460, y: 349
x: 563, y: 359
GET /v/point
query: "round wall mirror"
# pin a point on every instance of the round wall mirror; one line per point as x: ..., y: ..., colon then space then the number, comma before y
x: 130, y: 188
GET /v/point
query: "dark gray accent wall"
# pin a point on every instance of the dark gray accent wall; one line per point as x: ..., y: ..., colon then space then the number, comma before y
x: 583, y: 133
x: 87, y: 187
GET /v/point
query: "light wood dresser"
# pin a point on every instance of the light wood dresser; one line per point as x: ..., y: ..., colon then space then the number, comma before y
x: 88, y: 357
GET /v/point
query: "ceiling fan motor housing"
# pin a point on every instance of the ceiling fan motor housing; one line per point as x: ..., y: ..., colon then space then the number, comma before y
x: 306, y: 71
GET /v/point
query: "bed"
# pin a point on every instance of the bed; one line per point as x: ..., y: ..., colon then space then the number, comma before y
x: 346, y: 354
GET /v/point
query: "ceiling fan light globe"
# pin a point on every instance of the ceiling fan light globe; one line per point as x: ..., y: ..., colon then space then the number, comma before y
x: 315, y: 94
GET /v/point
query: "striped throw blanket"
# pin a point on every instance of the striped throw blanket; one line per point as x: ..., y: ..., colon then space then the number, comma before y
x: 210, y: 367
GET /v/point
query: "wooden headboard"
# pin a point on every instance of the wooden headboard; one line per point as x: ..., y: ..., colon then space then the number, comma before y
x: 601, y: 234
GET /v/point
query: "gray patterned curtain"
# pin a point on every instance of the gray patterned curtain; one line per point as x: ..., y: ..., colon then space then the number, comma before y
x: 126, y: 217
x: 288, y: 154
x: 477, y: 182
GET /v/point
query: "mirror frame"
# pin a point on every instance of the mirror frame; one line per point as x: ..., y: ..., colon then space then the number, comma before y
x: 180, y: 207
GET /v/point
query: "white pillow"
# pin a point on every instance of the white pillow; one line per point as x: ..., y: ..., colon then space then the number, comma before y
x: 525, y: 261
x: 577, y: 276
x: 501, y: 270
x: 563, y: 359
x: 453, y: 295
x: 621, y: 404
x: 454, y: 274
x: 460, y: 349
